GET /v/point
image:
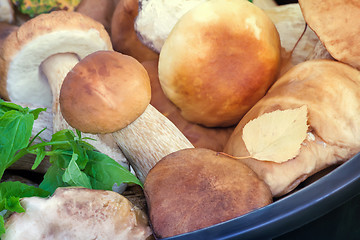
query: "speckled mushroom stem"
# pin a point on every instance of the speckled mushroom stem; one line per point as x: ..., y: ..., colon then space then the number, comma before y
x: 148, y: 139
x: 55, y: 69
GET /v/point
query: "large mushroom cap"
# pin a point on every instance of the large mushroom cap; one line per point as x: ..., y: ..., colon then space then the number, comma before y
x: 78, y: 213
x: 105, y: 92
x: 24, y: 50
x: 337, y: 24
x: 331, y: 92
x: 219, y: 60
x: 196, y: 188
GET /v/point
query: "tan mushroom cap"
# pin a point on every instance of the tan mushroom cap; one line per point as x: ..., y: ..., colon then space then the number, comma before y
x: 25, y: 49
x: 78, y: 213
x: 337, y: 24
x: 331, y: 92
x: 219, y: 60
x: 105, y: 92
x: 196, y: 188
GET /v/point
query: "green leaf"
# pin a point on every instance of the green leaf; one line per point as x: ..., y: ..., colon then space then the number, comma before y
x: 77, y: 148
x: 104, y: 172
x: 74, y: 176
x: 36, y: 112
x: 61, y: 136
x: 12, y: 204
x: 2, y: 225
x: 8, y: 106
x: 21, y: 190
x: 41, y: 153
x: 53, y: 179
x: 15, y: 132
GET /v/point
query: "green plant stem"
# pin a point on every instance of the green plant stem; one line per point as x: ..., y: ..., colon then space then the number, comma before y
x: 28, y: 150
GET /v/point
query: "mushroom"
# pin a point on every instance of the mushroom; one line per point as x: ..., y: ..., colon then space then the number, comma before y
x: 36, y: 57
x: 6, y: 11
x: 109, y: 92
x: 330, y: 90
x: 123, y: 35
x: 78, y: 213
x: 219, y: 60
x: 156, y: 18
x: 337, y: 25
x: 200, y: 136
x: 196, y: 188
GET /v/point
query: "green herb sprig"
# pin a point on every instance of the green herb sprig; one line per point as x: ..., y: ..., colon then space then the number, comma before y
x: 74, y: 162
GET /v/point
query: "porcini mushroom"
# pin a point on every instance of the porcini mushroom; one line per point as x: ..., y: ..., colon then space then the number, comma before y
x: 219, y: 60
x: 337, y: 25
x: 196, y: 188
x: 330, y: 91
x: 109, y: 92
x: 78, y: 213
x: 156, y: 18
x: 36, y: 57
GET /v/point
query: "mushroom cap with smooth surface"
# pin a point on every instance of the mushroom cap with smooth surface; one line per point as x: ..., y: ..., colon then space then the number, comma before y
x: 337, y: 24
x: 105, y: 92
x: 196, y: 188
x: 219, y: 60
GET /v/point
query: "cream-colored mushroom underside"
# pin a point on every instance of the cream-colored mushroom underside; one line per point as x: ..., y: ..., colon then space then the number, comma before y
x: 25, y: 82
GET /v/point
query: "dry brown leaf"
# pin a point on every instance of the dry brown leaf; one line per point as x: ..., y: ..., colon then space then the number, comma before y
x: 276, y: 136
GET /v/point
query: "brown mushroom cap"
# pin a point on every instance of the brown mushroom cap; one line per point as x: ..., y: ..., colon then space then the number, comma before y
x: 219, y: 60
x: 104, y: 92
x: 25, y: 49
x: 196, y: 188
x: 78, y: 213
x: 337, y: 24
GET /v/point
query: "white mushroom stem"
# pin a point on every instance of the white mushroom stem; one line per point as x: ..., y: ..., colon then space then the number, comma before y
x: 148, y: 139
x: 55, y: 69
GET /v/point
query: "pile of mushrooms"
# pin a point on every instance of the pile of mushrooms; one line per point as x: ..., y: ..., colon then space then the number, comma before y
x: 119, y: 98
x: 36, y: 57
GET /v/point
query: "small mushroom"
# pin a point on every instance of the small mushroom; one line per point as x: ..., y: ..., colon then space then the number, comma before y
x: 37, y: 56
x: 78, y: 213
x: 109, y: 92
x: 196, y: 188
x: 337, y: 25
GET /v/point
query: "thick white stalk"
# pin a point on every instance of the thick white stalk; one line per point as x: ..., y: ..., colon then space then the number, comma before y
x: 148, y: 139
